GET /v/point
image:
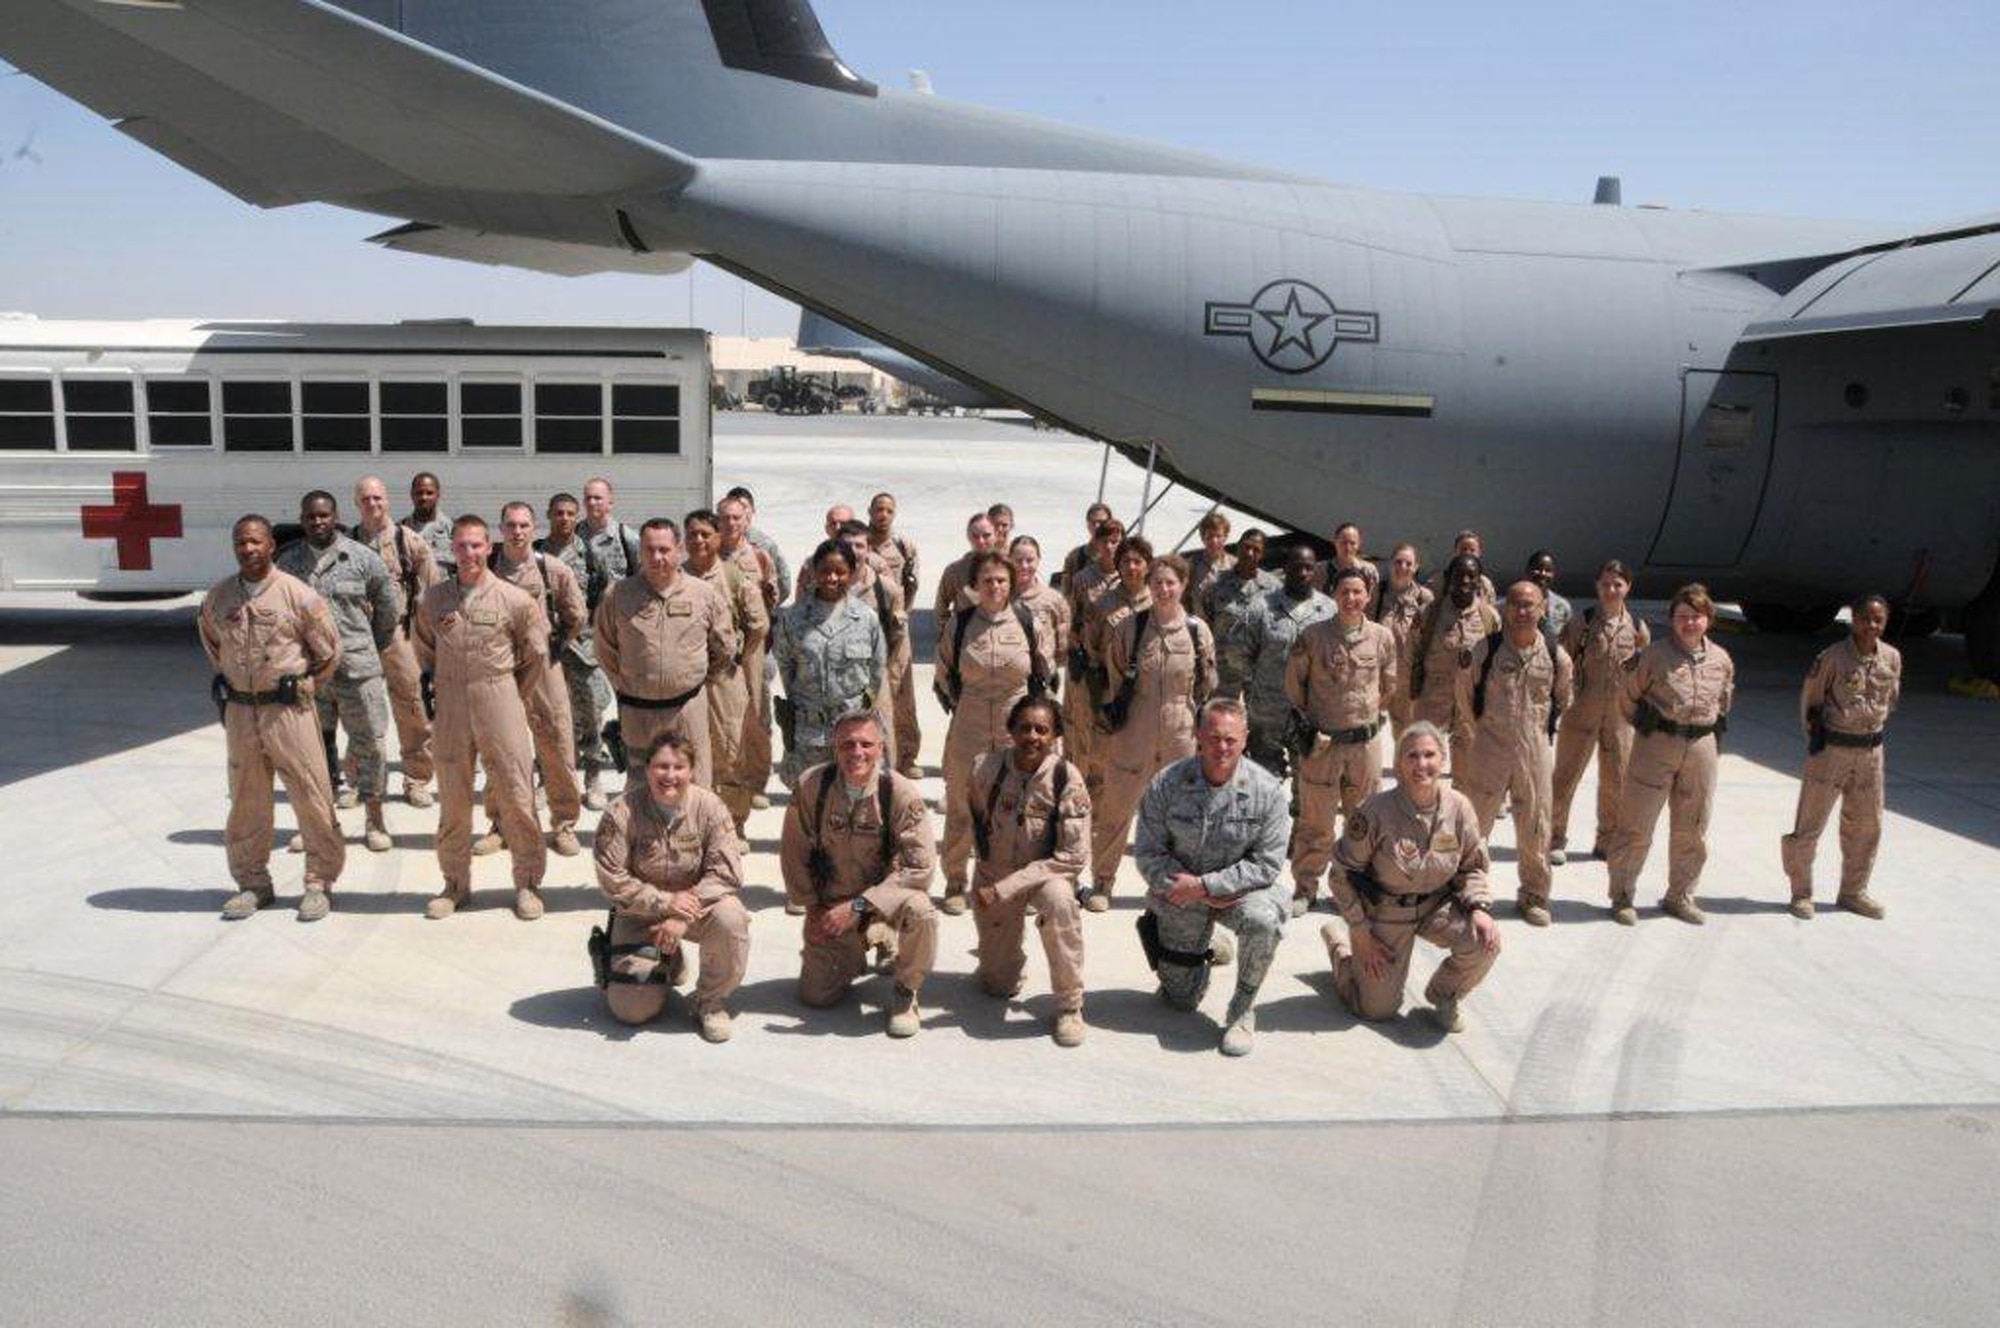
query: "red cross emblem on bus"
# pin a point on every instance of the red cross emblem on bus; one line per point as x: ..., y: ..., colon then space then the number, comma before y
x: 132, y: 519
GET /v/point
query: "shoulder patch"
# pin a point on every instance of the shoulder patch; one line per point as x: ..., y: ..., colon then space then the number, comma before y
x: 1465, y: 659
x: 1632, y: 663
x: 1357, y: 824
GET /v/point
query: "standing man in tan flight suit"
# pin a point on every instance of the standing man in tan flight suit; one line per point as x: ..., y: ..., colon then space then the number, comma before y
x: 272, y: 643
x: 856, y: 855
x: 1677, y: 695
x: 667, y: 859
x: 762, y: 565
x: 1031, y: 830
x: 661, y: 638
x: 1079, y: 557
x: 955, y: 586
x: 1400, y: 608
x: 1845, y: 706
x: 730, y: 719
x: 882, y: 596
x: 550, y: 582
x: 1599, y: 643
x: 899, y: 559
x: 413, y: 568
x: 1341, y: 676
x: 485, y: 645
x: 1208, y: 562
x: 1444, y: 638
x: 1516, y: 688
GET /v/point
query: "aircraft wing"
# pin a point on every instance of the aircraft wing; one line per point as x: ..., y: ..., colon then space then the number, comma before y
x: 301, y: 101
x: 559, y: 258
x: 1919, y: 284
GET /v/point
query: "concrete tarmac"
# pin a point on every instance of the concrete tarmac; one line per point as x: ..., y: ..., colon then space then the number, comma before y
x: 1761, y: 1119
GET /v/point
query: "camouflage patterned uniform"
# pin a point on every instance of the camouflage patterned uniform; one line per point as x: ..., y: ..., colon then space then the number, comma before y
x: 1234, y: 838
x: 1223, y: 607
x: 435, y: 532
x: 832, y: 659
x: 367, y: 607
x: 589, y: 693
x: 1264, y: 639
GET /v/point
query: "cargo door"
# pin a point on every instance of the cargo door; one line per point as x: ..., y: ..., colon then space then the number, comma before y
x: 1727, y: 423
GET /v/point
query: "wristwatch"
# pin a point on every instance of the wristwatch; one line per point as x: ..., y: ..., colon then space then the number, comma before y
x: 1480, y: 907
x: 862, y: 908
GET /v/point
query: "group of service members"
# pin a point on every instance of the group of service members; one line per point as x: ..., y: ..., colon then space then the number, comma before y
x: 1177, y: 693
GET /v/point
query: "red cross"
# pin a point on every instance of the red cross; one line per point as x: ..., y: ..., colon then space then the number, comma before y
x: 133, y: 520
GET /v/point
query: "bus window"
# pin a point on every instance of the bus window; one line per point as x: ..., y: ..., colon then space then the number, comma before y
x: 489, y: 414
x: 336, y: 417
x: 257, y: 415
x: 98, y: 416
x: 569, y: 418
x: 177, y: 412
x: 416, y: 417
x: 645, y: 418
x: 27, y: 414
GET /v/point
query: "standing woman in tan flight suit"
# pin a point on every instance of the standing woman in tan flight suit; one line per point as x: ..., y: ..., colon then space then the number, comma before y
x: 1455, y: 622
x: 1045, y: 602
x: 1677, y: 694
x: 1083, y: 588
x: 1160, y: 660
x: 989, y: 656
x: 1600, y: 643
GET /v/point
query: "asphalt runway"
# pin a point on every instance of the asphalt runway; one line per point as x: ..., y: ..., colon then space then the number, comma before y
x: 1759, y: 1121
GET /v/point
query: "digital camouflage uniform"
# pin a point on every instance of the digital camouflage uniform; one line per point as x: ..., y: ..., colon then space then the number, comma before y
x: 1234, y: 839
x: 1264, y: 637
x: 367, y: 609
x: 435, y: 532
x: 1223, y: 607
x: 832, y: 659
x: 590, y: 698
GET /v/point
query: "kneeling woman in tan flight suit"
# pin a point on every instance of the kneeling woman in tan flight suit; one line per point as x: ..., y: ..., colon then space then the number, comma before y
x: 1030, y: 816
x: 1160, y: 662
x: 666, y: 858
x: 989, y: 656
x: 1411, y: 863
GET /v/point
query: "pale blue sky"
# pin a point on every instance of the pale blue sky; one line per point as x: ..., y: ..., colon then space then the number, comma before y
x: 1869, y: 110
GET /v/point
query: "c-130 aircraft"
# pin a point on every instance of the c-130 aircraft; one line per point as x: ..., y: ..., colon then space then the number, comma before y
x: 1790, y: 410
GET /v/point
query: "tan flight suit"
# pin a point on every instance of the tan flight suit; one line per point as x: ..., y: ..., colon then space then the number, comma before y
x: 1438, y: 855
x: 1341, y: 682
x: 659, y: 649
x: 486, y: 650
x: 1686, y: 691
x: 1512, y: 752
x: 254, y: 634
x: 1202, y: 576
x: 1106, y: 609
x: 646, y: 855
x: 1450, y: 641
x: 754, y: 770
x: 1593, y: 724
x: 1401, y: 611
x: 414, y: 570
x: 1855, y: 695
x: 897, y: 889
x: 899, y: 566
x: 1083, y: 590
x: 548, y: 696
x: 892, y: 612
x: 954, y: 589
x: 1016, y: 810
x: 993, y: 674
x: 1485, y: 592
x: 730, y: 719
x: 1052, y: 610
x: 1175, y: 673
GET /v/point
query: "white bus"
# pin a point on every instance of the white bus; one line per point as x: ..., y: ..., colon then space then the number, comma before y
x: 128, y: 449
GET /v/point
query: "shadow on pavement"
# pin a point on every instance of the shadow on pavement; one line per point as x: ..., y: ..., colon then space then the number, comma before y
x: 124, y: 678
x: 368, y: 903
x: 582, y: 1009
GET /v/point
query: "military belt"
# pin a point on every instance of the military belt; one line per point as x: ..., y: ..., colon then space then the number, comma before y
x: 1692, y: 732
x: 1864, y: 740
x: 1348, y: 737
x: 286, y: 693
x: 1373, y: 891
x: 649, y: 703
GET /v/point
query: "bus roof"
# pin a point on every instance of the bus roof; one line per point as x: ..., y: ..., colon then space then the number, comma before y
x: 19, y: 331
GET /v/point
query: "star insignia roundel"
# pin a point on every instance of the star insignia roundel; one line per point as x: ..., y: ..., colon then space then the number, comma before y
x: 1291, y: 325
